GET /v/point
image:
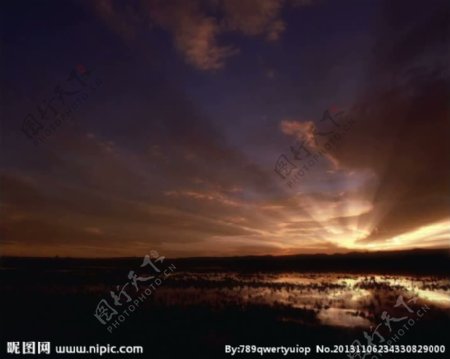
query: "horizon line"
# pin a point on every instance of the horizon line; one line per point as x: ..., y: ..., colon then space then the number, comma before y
x: 367, y: 252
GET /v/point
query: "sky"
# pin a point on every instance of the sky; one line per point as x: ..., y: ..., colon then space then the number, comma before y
x: 223, y: 127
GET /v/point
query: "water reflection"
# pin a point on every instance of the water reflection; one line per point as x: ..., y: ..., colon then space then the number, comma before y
x: 334, y: 299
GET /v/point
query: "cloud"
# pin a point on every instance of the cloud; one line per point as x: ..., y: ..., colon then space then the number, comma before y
x: 94, y: 230
x: 400, y: 135
x: 254, y: 17
x: 121, y: 18
x: 305, y: 133
x: 161, y: 175
x: 89, y: 183
x: 401, y: 129
x: 197, y: 26
x: 194, y: 33
x: 213, y: 196
x: 402, y: 125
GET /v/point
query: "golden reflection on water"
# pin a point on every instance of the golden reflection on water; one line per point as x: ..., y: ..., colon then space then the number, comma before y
x: 336, y: 299
x: 440, y: 297
x: 342, y: 318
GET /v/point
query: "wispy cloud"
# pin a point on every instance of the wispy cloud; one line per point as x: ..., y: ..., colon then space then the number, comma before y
x: 197, y: 26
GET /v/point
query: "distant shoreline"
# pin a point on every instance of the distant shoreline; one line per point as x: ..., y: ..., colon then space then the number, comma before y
x: 416, y: 261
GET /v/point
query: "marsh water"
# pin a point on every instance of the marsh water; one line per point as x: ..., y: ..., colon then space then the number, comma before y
x: 208, y: 308
x: 345, y: 300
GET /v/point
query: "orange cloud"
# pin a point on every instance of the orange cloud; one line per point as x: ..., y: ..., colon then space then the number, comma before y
x: 304, y: 131
x: 194, y: 33
x: 205, y: 196
x: 196, y: 25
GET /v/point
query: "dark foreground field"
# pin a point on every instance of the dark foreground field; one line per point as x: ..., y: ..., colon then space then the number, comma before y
x: 201, y: 305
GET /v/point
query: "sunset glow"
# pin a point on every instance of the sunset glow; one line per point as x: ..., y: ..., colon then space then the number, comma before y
x: 224, y: 130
